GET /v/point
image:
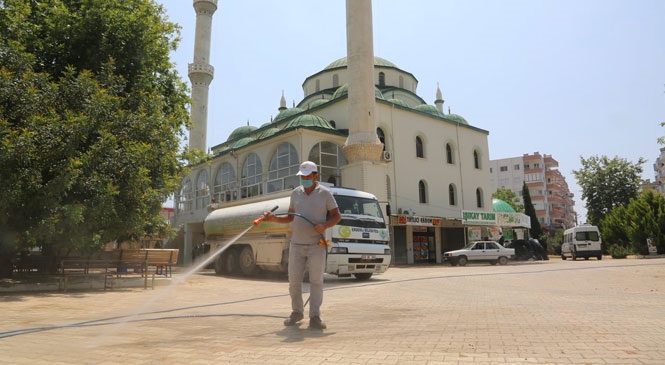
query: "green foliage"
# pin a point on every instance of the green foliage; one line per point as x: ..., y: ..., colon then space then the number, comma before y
x: 509, y: 197
x: 630, y: 226
x: 619, y: 252
x: 91, y: 115
x: 536, y: 230
x: 607, y: 184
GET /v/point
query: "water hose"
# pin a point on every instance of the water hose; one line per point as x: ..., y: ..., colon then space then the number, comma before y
x: 322, y: 240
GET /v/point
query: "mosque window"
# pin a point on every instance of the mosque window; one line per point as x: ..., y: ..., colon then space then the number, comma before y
x: 382, y: 79
x: 224, y: 187
x: 330, y: 159
x: 318, y: 85
x: 452, y: 195
x: 382, y: 137
x: 335, y: 80
x: 420, y: 150
x: 476, y: 159
x: 479, y: 198
x: 250, y: 181
x: 401, y: 82
x: 422, y: 192
x: 184, y: 198
x: 283, y: 169
x: 449, y: 153
x: 202, y: 190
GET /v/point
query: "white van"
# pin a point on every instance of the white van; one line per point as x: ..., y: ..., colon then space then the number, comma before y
x: 581, y: 241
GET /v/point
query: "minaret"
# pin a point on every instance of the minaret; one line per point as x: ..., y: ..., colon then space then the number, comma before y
x: 363, y: 150
x: 439, y: 99
x: 201, y: 73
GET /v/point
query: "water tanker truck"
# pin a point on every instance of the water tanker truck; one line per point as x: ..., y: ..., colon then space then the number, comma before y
x: 358, y: 243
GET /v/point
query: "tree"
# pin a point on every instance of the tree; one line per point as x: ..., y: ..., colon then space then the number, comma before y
x: 607, y: 184
x: 536, y: 230
x: 92, y: 113
x: 509, y: 197
x: 629, y: 226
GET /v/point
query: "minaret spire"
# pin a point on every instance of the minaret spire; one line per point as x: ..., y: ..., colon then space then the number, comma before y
x: 439, y: 99
x: 201, y: 73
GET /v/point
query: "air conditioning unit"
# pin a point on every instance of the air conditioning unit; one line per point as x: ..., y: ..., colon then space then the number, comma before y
x: 387, y: 156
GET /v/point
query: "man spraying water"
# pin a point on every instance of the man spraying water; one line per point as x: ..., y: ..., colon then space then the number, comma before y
x: 316, y: 203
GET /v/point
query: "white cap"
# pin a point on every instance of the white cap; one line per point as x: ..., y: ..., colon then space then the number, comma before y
x: 307, y: 168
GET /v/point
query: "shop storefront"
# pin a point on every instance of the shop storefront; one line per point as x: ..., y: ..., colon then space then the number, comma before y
x: 417, y: 240
x: 492, y: 225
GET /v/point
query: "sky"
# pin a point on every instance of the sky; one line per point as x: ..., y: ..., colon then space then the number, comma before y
x: 567, y: 78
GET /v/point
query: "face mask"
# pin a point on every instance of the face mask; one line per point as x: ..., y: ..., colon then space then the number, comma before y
x: 306, y: 183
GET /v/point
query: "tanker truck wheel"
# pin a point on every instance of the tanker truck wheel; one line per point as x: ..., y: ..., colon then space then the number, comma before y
x: 246, y: 261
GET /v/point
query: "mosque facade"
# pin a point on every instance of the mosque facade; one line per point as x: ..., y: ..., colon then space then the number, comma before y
x: 431, y: 165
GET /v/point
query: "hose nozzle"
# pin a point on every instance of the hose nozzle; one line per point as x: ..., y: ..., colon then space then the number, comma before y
x: 260, y: 219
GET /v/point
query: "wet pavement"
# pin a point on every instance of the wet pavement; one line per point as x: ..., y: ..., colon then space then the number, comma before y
x: 545, y: 312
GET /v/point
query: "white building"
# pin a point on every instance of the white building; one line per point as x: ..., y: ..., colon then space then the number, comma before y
x: 432, y: 165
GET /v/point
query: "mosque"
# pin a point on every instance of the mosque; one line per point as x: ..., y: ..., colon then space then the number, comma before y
x: 363, y: 123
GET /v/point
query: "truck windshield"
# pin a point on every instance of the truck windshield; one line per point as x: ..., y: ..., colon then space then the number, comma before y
x: 360, y: 212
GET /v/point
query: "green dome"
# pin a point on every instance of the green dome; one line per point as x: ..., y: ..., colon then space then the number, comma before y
x: 499, y: 205
x: 342, y: 62
x: 456, y: 118
x: 317, y: 102
x: 399, y: 102
x: 429, y: 109
x: 344, y: 90
x: 269, y: 132
x: 308, y: 120
x: 287, y: 113
x: 243, y: 142
x: 241, y: 132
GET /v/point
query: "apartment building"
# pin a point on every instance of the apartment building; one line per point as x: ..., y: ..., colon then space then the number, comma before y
x: 548, y: 188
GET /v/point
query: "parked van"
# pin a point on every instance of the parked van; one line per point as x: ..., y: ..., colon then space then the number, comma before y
x: 581, y: 241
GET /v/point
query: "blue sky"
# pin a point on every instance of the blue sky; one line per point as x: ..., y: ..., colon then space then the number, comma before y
x: 566, y: 78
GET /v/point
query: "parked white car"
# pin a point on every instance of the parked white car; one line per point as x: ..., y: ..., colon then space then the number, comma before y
x: 489, y: 251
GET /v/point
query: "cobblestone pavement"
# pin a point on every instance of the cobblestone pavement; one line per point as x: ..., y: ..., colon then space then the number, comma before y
x: 547, y: 312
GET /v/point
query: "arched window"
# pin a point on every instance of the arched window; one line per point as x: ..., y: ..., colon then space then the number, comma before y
x: 479, y: 198
x: 250, y: 181
x: 382, y: 137
x: 225, y: 185
x: 449, y: 153
x: 283, y: 169
x: 422, y: 192
x: 202, y: 190
x: 329, y: 158
x: 401, y: 82
x: 317, y: 85
x: 452, y: 195
x: 382, y: 79
x: 335, y: 80
x: 419, y: 148
x: 476, y: 159
x: 185, y: 195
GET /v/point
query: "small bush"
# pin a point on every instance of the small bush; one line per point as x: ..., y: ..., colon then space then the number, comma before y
x: 619, y: 252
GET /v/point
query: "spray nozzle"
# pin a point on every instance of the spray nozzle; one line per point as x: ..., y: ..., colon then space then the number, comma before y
x: 260, y: 219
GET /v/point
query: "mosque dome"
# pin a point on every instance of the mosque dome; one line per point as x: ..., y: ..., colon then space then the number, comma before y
x: 309, y: 120
x: 499, y: 205
x: 429, y: 109
x: 399, y: 102
x: 343, y: 62
x: 287, y: 113
x: 456, y: 118
x: 344, y: 90
x: 243, y: 142
x: 241, y: 132
x: 317, y: 102
x: 269, y: 132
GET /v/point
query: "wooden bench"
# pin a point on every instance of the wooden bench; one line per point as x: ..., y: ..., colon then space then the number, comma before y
x: 119, y: 263
x: 146, y: 262
x: 96, y: 265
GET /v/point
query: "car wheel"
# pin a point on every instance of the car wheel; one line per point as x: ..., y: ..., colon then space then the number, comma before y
x: 503, y: 260
x: 462, y: 260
